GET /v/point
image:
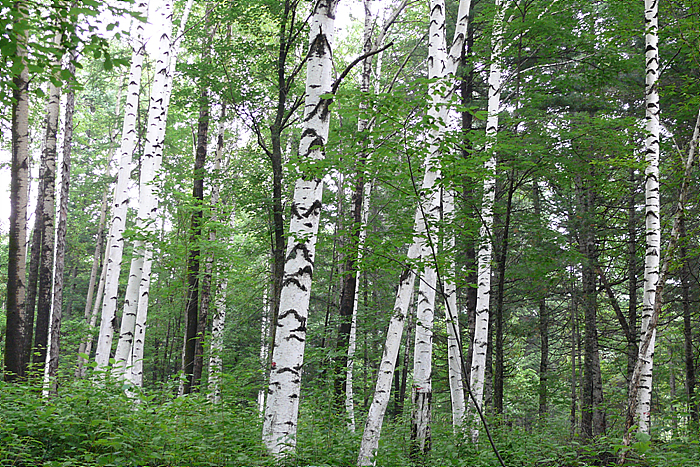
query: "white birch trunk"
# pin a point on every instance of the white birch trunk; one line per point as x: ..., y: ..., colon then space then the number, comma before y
x: 439, y: 66
x: 485, y: 248
x: 423, y: 354
x: 86, y: 347
x: 148, y: 203
x: 121, y: 198
x: 352, y: 340
x: 264, y: 345
x: 217, y: 344
x: 454, y: 359
x: 52, y: 354
x: 282, y: 406
x: 426, y: 215
x: 137, y: 293
x: 652, y: 216
x: 135, y: 356
x: 91, y: 284
x: 382, y: 391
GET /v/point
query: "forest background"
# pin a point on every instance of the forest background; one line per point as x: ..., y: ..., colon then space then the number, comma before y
x: 566, y: 163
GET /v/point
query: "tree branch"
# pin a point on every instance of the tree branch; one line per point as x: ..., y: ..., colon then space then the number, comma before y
x: 347, y: 69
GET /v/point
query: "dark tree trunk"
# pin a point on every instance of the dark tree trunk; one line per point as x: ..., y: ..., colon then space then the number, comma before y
x: 501, y: 258
x: 574, y: 358
x: 543, y: 318
x: 690, y: 381
x: 470, y: 263
x: 34, y: 258
x: 194, y: 335
x: 592, y: 415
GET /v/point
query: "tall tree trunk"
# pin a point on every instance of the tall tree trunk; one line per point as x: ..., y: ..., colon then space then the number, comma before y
x: 16, y: 356
x: 422, y: 393
x: 652, y: 212
x: 647, y: 340
x: 478, y: 363
x: 592, y: 414
x: 440, y: 65
x: 690, y: 381
x: 34, y: 260
x: 57, y: 308
x: 217, y: 344
x: 501, y: 259
x: 89, y: 310
x: 632, y: 275
x: 48, y: 195
x: 196, y: 324
x: 574, y: 356
x: 470, y: 263
x: 218, y: 321
x: 544, y: 318
x: 454, y: 340
x: 137, y: 293
x: 282, y: 406
x: 117, y: 225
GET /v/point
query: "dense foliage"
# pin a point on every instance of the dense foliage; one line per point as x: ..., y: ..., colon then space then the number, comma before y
x: 570, y: 172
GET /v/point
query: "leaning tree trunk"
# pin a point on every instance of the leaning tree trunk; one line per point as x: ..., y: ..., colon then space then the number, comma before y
x: 282, y: 406
x: 652, y: 211
x: 648, y: 337
x: 117, y: 225
x: 16, y: 356
x: 440, y: 65
x: 99, y: 240
x: 454, y: 340
x: 478, y: 363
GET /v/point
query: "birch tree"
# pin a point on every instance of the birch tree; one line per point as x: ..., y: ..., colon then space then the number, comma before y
x: 652, y: 211
x: 440, y: 65
x: 478, y: 364
x: 113, y: 261
x: 282, y: 406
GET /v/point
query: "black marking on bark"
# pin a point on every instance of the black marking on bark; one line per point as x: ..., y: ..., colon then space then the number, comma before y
x: 295, y: 281
x: 291, y: 311
x: 294, y: 336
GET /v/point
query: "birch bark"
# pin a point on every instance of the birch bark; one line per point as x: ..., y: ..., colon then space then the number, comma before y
x: 478, y: 364
x: 99, y: 240
x: 16, y: 356
x: 440, y: 65
x: 652, y: 211
x: 113, y: 261
x: 150, y: 164
x: 282, y: 406
x: 136, y: 301
x: 454, y: 343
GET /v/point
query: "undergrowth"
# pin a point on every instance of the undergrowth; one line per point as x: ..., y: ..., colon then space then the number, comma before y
x: 98, y: 424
